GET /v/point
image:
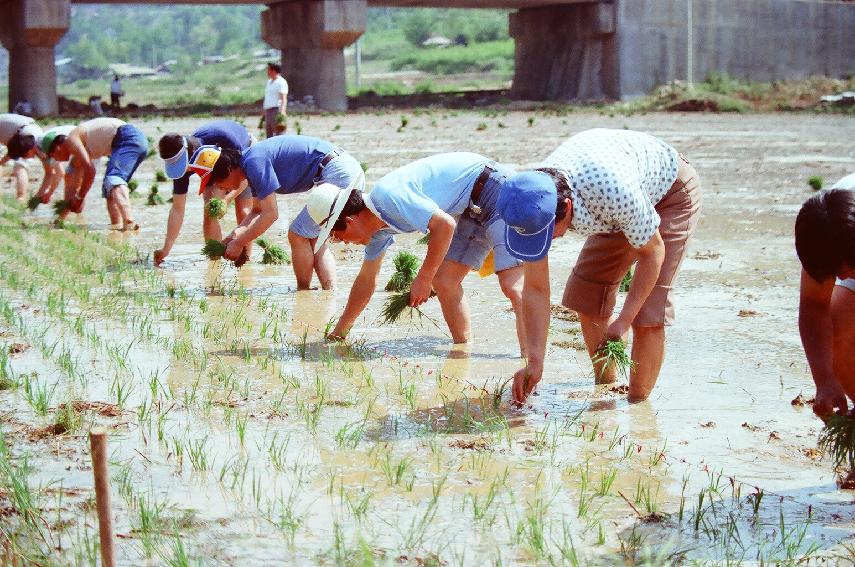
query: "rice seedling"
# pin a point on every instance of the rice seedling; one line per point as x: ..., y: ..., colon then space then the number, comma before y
x: 397, y: 304
x: 213, y: 249
x: 406, y: 268
x: 33, y: 202
x: 215, y: 208
x: 68, y: 419
x: 626, y: 281
x: 273, y: 253
x: 614, y: 353
x: 133, y: 185
x: 837, y: 439
x: 160, y: 176
x: 815, y: 182
x: 154, y: 197
x: 61, y: 207
x: 424, y: 239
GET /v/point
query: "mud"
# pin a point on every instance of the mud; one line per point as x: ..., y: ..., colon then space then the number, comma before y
x: 420, y: 433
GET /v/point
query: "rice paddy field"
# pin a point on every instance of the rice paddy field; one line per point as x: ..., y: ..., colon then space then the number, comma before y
x: 238, y: 436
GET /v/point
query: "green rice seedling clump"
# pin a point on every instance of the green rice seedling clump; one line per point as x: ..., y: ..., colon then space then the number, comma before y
x: 273, y: 254
x: 213, y: 249
x: 34, y: 202
x: 132, y: 185
x: 837, y: 439
x: 424, y: 239
x: 398, y: 304
x: 626, y: 281
x: 614, y: 352
x: 154, y: 197
x: 216, y: 208
x: 406, y: 268
x: 160, y: 176
x: 815, y: 182
x: 61, y: 207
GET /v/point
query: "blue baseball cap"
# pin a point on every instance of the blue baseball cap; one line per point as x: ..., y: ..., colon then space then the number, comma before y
x: 527, y: 204
x: 176, y: 166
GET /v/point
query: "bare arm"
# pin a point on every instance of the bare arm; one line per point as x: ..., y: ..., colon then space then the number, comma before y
x: 173, y: 227
x: 49, y: 173
x: 441, y: 227
x: 82, y: 161
x: 535, y: 309
x: 816, y: 332
x: 263, y: 214
x: 360, y: 294
x: 650, y: 258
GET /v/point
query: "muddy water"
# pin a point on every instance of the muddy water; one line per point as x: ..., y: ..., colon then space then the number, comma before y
x: 296, y: 434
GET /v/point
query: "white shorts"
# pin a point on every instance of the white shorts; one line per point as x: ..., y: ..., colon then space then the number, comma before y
x: 20, y: 162
x: 848, y: 283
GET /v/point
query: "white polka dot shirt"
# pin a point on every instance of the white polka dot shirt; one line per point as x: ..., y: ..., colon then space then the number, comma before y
x: 616, y: 179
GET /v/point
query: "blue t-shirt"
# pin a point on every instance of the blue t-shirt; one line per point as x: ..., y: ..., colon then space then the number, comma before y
x: 284, y: 164
x: 408, y: 197
x: 223, y: 133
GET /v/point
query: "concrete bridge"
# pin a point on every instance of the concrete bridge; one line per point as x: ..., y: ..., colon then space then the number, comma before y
x: 565, y: 49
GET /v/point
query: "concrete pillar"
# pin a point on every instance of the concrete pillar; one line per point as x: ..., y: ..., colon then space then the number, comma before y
x: 565, y: 52
x: 30, y: 29
x: 312, y: 35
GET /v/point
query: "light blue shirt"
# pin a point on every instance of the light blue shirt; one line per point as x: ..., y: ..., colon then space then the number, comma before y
x: 407, y: 198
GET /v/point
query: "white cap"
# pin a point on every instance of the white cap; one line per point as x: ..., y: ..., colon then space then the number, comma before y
x: 326, y: 201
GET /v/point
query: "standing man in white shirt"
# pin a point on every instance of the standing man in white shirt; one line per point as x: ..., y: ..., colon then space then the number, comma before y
x: 275, y: 99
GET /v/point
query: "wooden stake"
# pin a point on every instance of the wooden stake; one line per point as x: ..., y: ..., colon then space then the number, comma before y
x: 98, y: 442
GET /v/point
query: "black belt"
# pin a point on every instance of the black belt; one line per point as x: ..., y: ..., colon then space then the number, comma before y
x: 327, y: 159
x: 479, y: 186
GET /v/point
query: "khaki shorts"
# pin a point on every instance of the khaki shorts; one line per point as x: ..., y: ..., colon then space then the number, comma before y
x: 605, y: 258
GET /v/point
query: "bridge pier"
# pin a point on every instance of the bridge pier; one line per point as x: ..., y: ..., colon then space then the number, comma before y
x: 30, y: 29
x: 312, y: 35
x: 565, y: 52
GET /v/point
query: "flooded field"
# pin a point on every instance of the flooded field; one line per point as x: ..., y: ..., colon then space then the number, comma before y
x: 238, y: 436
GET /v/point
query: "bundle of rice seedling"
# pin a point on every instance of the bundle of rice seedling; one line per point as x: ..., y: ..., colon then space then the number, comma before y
x: 153, y: 197
x: 815, y: 182
x: 837, y: 439
x: 61, y: 207
x: 132, y: 185
x: 398, y: 304
x: 213, y: 249
x: 626, y: 281
x: 34, y: 202
x: 273, y: 254
x: 216, y: 208
x: 424, y: 239
x: 160, y: 176
x: 406, y: 268
x: 614, y: 352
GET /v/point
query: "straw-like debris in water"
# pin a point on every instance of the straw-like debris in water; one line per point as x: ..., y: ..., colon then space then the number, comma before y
x: 837, y: 439
x: 273, y: 254
x: 213, y: 249
x: 614, y: 352
x: 406, y: 268
x: 216, y: 208
x: 61, y: 207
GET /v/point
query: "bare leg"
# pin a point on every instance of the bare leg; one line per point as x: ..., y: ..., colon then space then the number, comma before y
x: 511, y: 282
x: 73, y: 179
x: 302, y: 259
x: 115, y: 212
x: 648, y: 352
x: 22, y: 180
x: 324, y: 266
x: 593, y: 331
x: 120, y: 195
x: 843, y: 320
x: 448, y: 284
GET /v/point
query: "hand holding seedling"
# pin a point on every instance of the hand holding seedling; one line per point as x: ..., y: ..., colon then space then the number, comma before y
x: 159, y: 256
x: 234, y: 249
x: 830, y: 399
x: 421, y: 290
x: 617, y: 330
x: 525, y: 380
